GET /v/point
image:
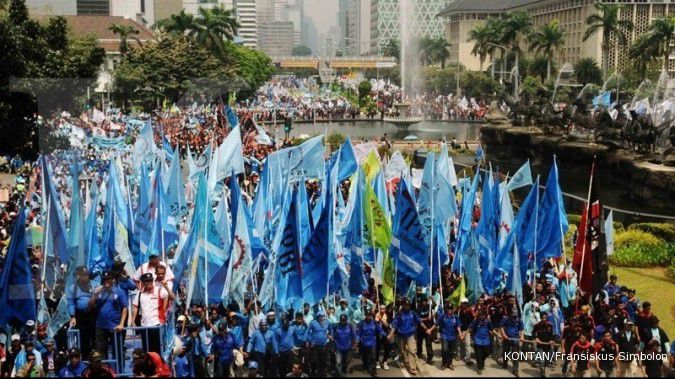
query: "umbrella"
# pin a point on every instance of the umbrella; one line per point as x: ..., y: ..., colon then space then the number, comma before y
x: 411, y: 137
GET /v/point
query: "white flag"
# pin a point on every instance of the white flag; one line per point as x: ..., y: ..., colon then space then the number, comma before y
x: 609, y: 233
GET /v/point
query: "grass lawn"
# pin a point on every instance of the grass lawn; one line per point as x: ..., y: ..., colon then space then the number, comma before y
x: 652, y: 285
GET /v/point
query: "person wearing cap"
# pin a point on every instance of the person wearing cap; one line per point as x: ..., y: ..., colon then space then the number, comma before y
x: 49, y: 361
x: 345, y: 340
x: 426, y: 328
x: 222, y: 347
x: 10, y: 356
x: 466, y: 316
x: 511, y: 332
x: 318, y: 336
x: 75, y: 367
x: 404, y: 327
x: 344, y: 308
x: 262, y: 348
x: 149, y: 364
x: 253, y: 370
x: 109, y: 303
x: 448, y: 325
x: 151, y: 302
x: 20, y: 359
x: 28, y: 333
x: 367, y: 333
x: 96, y: 368
x: 286, y: 344
x: 81, y: 316
x: 481, y: 329
x: 40, y: 338
x: 149, y: 267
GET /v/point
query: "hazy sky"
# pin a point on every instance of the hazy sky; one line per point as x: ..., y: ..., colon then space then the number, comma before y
x: 323, y: 12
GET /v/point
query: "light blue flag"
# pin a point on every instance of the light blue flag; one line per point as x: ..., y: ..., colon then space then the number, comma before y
x: 466, y: 218
x: 289, y: 265
x: 195, y: 166
x: 487, y: 234
x: 227, y: 159
x: 315, y: 255
x: 408, y: 247
x: 55, y: 232
x: 446, y: 167
x: 474, y: 287
x: 175, y: 194
x: 95, y: 261
x: 143, y: 220
x: 60, y: 318
x: 164, y: 233
x: 17, y: 297
x: 445, y: 203
x: 232, y: 118
x: 604, y: 99
x: 347, y: 162
x: 522, y: 177
x: 305, y: 226
x: 552, y: 218
x: 76, y: 231
x: 223, y: 225
x: 426, y: 196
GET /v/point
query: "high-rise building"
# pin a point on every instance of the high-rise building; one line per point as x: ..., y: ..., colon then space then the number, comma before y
x: 192, y: 6
x: 276, y: 38
x: 296, y: 15
x: 248, y: 22
x: 145, y: 12
x: 354, y: 22
x: 462, y: 15
x: 385, y: 20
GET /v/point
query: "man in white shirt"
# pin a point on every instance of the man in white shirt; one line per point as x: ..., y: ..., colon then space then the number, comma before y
x: 150, y: 267
x: 152, y: 302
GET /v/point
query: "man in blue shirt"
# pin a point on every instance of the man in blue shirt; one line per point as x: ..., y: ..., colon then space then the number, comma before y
x: 345, y: 340
x: 611, y: 287
x: 75, y: 367
x: 448, y: 324
x: 81, y: 316
x: 367, y: 332
x: 286, y: 344
x: 480, y: 330
x: 300, y: 337
x: 262, y: 348
x: 512, y: 334
x: 404, y: 326
x: 109, y: 304
x: 196, y: 351
x: 222, y: 346
x: 318, y: 335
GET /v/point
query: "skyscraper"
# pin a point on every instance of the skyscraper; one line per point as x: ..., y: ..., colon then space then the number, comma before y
x: 248, y: 22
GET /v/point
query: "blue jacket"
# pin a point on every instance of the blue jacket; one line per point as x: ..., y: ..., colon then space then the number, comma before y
x: 512, y: 327
x: 344, y: 336
x: 406, y: 323
x: 72, y: 372
x: 259, y: 342
x: 367, y: 332
x: 78, y: 299
x: 299, y: 334
x: 448, y: 326
x: 285, y: 340
x: 195, y: 347
x: 481, y: 332
x: 317, y: 333
x: 109, y: 306
x: 222, y: 346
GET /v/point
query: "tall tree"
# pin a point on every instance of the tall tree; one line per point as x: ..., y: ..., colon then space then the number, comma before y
x: 643, y: 52
x: 125, y: 32
x: 434, y: 50
x: 213, y: 27
x: 546, y: 40
x: 660, y: 35
x: 607, y: 20
x: 181, y: 23
x: 481, y: 35
x: 516, y: 25
x: 392, y: 49
x: 586, y: 71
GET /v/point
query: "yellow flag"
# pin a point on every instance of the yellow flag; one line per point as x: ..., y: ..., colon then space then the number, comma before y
x: 371, y: 166
x: 378, y: 229
x: 388, y: 279
x: 458, y: 294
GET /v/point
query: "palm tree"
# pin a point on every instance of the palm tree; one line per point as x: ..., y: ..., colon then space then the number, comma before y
x: 125, y: 32
x: 434, y: 50
x: 495, y: 31
x: 586, y: 71
x: 213, y: 26
x: 643, y: 52
x: 181, y: 23
x: 546, y: 40
x: 607, y: 19
x: 480, y: 34
x: 516, y: 24
x: 660, y: 35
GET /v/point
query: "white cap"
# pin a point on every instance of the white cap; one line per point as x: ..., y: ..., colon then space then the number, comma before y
x: 16, y: 337
x: 30, y: 323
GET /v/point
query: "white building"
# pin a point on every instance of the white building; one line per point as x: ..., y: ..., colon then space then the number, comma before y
x: 248, y: 21
x: 145, y: 12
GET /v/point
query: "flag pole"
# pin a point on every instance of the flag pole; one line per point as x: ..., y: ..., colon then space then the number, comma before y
x: 534, y: 254
x: 206, y: 230
x: 588, y: 212
x: 45, y: 238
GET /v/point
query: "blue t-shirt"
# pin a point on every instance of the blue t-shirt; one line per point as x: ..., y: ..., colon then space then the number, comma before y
x: 72, y: 372
x: 317, y: 333
x: 406, y: 323
x: 448, y: 325
x: 182, y: 366
x: 481, y: 331
x: 222, y: 346
x: 367, y: 333
x: 109, y: 306
x: 284, y: 337
x: 344, y: 336
x: 512, y: 327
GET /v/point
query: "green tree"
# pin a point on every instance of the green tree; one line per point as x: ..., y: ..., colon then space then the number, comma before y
x: 539, y: 67
x: 607, y: 20
x: 435, y: 50
x: 392, y: 49
x: 478, y: 85
x: 586, y: 71
x: 546, y: 40
x: 180, y: 23
x: 515, y: 26
x: 364, y: 92
x: 125, y: 32
x: 481, y: 35
x: 213, y: 27
x: 301, y: 51
x: 660, y: 36
x: 643, y: 52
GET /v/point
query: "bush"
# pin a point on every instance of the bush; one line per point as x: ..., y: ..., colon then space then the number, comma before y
x: 671, y: 271
x: 573, y: 219
x: 335, y: 139
x: 636, y: 248
x: 662, y: 230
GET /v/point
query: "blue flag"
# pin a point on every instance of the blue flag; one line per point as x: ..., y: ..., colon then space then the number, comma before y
x: 315, y: 254
x: 474, y: 287
x: 552, y: 218
x: 347, y: 163
x: 232, y: 118
x: 408, y: 247
x: 175, y: 193
x: 95, y: 261
x: 521, y: 178
x: 56, y: 235
x: 143, y: 219
x: 17, y: 297
x: 76, y: 231
x: 466, y: 218
x: 487, y: 234
x: 289, y: 269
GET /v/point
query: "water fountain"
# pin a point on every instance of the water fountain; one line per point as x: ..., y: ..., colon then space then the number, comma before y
x: 402, y: 120
x: 564, y: 79
x: 644, y: 90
